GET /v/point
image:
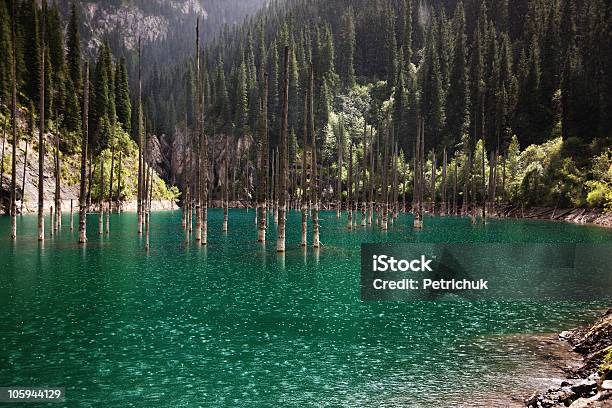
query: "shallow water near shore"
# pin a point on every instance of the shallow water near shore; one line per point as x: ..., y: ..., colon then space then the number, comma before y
x: 236, y: 324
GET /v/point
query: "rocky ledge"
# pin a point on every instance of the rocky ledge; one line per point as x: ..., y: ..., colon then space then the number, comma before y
x: 589, y: 385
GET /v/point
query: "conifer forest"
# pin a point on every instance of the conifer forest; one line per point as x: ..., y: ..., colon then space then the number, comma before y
x: 277, y: 137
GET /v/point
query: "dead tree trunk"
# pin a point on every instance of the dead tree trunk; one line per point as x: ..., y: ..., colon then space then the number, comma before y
x: 58, y: 177
x: 139, y: 137
x: 316, y: 242
x: 101, y: 198
x: 41, y: 128
x: 349, y: 189
x: 225, y: 190
x: 13, y: 209
x: 444, y: 203
x: 119, y: 182
x: 262, y: 177
x: 339, y: 172
x: 82, y: 195
x: 364, y: 193
x: 304, y: 203
x: 25, y: 160
x: 198, y: 113
x: 282, y: 185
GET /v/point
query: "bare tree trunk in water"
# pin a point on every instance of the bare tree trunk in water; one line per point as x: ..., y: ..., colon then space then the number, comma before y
x: 444, y: 209
x: 139, y: 137
x: 364, y: 191
x: 41, y: 128
x: 262, y: 178
x: 225, y: 191
x: 316, y: 241
x: 25, y: 162
x: 13, y: 209
x: 71, y: 215
x: 304, y: 180
x: 58, y: 175
x: 385, y: 203
x: 282, y: 179
x: 349, y: 189
x: 198, y: 180
x: 83, y: 192
x: 101, y: 199
x: 3, y: 150
x: 110, y: 189
x: 119, y: 183
x: 339, y: 173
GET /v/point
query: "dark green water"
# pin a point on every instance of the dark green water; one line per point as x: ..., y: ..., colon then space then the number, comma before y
x: 235, y: 324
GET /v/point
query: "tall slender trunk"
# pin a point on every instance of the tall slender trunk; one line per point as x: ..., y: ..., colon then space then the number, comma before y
x: 371, y: 179
x: 71, y: 215
x: 198, y: 110
x: 139, y: 140
x: 82, y: 195
x: 58, y: 178
x: 282, y: 174
x: 3, y: 150
x: 225, y: 191
x: 455, y: 177
x: 23, y: 179
x: 340, y: 164
x: 110, y: 189
x: 13, y: 209
x: 349, y: 189
x: 101, y: 199
x: 304, y: 180
x: 433, y: 181
x: 443, y: 209
x: 316, y: 239
x: 119, y: 182
x: 92, y: 168
x: 41, y: 127
x: 262, y: 177
x: 385, y: 167
x: 484, y: 186
x: 364, y: 190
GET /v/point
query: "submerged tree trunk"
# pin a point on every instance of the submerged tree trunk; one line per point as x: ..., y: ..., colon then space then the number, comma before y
x: 13, y: 209
x: 444, y: 204
x: 119, y: 182
x: 198, y: 113
x: 304, y: 180
x: 58, y: 176
x: 225, y: 191
x: 101, y: 199
x: 282, y: 179
x: 316, y: 241
x: 349, y: 189
x: 41, y: 128
x: 3, y: 150
x: 83, y: 192
x: 262, y: 178
x: 139, y: 141
x: 364, y: 190
x: 110, y: 189
x: 339, y: 173
x: 25, y: 162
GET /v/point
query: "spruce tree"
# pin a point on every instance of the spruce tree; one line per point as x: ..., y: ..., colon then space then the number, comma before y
x: 29, y: 29
x: 123, y: 103
x: 457, y: 100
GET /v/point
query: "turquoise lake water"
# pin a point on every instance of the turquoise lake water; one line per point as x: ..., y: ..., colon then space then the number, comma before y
x: 236, y: 324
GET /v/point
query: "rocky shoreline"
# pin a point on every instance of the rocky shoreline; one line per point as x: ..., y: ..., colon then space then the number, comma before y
x: 578, y: 215
x: 589, y: 384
